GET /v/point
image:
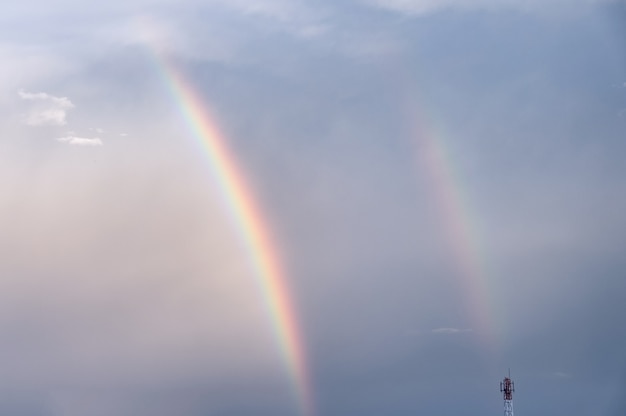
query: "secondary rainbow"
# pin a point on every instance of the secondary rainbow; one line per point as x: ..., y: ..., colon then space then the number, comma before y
x: 461, y: 229
x: 251, y: 226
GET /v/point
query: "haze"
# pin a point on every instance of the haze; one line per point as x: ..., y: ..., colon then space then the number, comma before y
x: 444, y: 182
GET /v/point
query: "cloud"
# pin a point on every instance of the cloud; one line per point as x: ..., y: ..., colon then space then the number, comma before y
x: 409, y: 6
x: 80, y: 141
x: 47, y: 109
x: 123, y: 270
x: 451, y: 330
x: 280, y: 10
x: 420, y: 7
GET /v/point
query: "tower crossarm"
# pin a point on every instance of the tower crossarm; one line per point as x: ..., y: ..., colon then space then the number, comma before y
x: 507, y: 387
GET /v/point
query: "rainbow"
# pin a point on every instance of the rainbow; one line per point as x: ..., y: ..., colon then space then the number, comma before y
x: 461, y: 230
x: 250, y: 224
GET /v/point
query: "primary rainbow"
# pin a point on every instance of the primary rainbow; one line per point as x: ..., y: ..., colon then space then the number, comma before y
x: 250, y: 224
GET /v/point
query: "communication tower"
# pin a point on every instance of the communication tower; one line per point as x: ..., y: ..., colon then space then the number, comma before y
x: 507, y: 387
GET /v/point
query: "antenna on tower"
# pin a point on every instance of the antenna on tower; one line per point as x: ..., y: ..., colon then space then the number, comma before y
x: 507, y: 387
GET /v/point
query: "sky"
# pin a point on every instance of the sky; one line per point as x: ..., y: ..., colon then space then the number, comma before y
x: 330, y: 208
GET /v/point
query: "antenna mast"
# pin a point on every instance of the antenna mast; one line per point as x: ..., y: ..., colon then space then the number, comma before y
x: 507, y: 387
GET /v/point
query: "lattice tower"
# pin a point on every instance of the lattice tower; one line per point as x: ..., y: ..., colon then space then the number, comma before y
x: 507, y: 387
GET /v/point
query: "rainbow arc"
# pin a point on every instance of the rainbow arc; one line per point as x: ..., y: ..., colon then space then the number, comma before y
x: 251, y: 227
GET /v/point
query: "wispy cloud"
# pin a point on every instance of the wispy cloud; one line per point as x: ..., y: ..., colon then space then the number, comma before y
x: 420, y: 7
x: 282, y: 10
x: 46, y: 109
x: 409, y: 6
x: 451, y: 330
x: 80, y: 141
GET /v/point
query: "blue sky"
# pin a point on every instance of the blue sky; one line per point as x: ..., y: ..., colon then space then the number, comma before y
x: 124, y: 290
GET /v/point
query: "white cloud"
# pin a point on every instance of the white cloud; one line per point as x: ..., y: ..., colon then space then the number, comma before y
x: 54, y: 116
x: 96, y: 129
x: 451, y: 330
x: 123, y: 134
x: 46, y: 109
x: 61, y: 101
x: 80, y: 141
